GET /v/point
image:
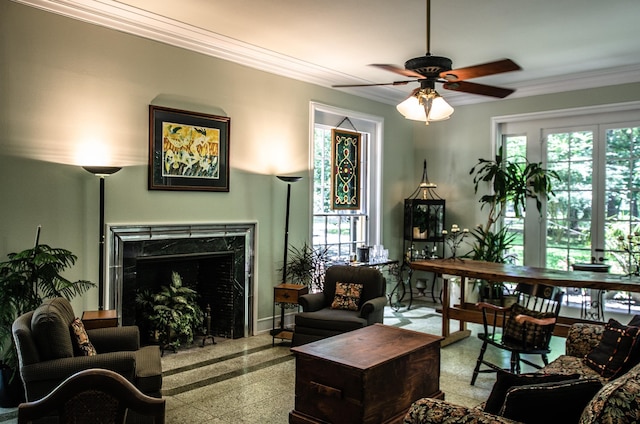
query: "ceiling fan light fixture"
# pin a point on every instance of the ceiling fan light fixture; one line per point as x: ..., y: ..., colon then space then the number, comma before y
x: 412, y: 109
x: 440, y: 110
x: 425, y: 105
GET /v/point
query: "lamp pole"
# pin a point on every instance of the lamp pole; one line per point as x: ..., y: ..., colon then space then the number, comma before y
x: 101, y: 172
x: 288, y: 180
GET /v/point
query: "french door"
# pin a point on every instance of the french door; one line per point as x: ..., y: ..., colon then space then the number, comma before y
x: 596, y: 204
x: 595, y: 207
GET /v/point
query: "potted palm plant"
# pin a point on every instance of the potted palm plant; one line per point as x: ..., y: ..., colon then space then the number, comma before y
x: 511, y: 183
x: 26, y: 279
x: 306, y: 266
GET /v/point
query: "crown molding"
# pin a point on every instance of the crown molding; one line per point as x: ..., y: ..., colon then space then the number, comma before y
x: 124, y: 18
x: 127, y: 19
x: 572, y: 82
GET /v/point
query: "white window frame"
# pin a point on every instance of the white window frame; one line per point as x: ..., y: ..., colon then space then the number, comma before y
x: 323, y: 114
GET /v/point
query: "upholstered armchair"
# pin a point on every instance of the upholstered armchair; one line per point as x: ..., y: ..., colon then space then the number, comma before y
x: 52, y: 345
x: 353, y: 297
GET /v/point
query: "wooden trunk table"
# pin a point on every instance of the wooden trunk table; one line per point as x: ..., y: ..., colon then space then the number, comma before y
x: 370, y: 375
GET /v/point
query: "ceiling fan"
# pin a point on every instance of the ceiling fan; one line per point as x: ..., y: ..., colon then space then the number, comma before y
x: 424, y: 103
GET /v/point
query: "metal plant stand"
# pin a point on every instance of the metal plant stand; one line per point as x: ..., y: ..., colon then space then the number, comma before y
x: 207, y: 319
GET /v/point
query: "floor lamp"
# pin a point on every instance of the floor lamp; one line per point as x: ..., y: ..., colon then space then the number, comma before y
x: 101, y: 172
x: 287, y: 180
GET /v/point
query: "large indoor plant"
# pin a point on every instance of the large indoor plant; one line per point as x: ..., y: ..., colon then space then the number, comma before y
x: 511, y: 183
x: 26, y: 279
x: 173, y: 312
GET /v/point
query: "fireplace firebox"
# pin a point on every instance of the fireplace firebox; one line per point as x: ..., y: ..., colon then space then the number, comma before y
x: 216, y: 260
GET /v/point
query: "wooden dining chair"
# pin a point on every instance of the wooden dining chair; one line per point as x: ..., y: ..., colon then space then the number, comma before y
x: 524, y: 328
x: 93, y: 396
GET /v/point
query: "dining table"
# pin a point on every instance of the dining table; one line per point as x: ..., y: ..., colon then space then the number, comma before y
x: 465, y: 312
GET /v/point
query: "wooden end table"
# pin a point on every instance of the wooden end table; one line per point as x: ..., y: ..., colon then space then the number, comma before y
x: 99, y: 319
x: 287, y: 296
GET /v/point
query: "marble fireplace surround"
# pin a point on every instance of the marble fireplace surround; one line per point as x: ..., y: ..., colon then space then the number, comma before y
x: 127, y: 242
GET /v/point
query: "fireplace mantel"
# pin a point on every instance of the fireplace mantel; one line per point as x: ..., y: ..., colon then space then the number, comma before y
x: 127, y: 242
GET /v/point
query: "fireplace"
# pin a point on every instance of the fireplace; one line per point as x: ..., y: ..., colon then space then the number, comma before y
x: 216, y: 260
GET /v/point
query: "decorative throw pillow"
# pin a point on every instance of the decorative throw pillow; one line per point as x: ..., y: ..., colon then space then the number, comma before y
x: 536, y: 336
x: 82, y: 344
x: 506, y: 380
x: 635, y: 321
x: 347, y: 296
x: 617, y: 402
x: 615, y: 351
x: 560, y: 402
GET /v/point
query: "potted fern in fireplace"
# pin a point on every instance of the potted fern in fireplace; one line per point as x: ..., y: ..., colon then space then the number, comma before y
x: 173, y: 313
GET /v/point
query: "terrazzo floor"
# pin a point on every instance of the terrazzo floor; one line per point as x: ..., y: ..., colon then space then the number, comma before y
x: 249, y: 381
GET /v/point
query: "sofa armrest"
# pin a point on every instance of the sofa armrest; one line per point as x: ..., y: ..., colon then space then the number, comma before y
x: 427, y: 410
x: 311, y: 302
x: 371, y: 306
x: 123, y: 363
x: 582, y: 338
x: 115, y: 339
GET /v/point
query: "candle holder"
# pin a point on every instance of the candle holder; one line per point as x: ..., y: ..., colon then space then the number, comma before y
x: 453, y: 239
x: 631, y: 245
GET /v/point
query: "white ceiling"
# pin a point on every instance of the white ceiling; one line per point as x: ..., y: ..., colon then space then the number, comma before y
x: 561, y: 45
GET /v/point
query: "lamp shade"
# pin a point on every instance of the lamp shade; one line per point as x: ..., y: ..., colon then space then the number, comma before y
x: 426, y: 106
x: 440, y: 110
x: 412, y: 109
x: 102, y: 171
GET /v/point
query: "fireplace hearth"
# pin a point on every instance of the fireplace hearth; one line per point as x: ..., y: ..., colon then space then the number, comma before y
x: 216, y: 260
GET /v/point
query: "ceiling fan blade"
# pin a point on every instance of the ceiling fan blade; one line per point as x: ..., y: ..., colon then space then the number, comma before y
x: 373, y: 85
x: 482, y: 89
x: 491, y: 68
x: 401, y: 71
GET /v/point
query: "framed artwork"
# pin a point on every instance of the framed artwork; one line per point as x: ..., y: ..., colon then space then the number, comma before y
x: 188, y: 150
x: 345, y: 170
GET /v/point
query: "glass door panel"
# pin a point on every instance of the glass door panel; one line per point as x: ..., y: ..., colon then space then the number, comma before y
x: 515, y: 147
x: 622, y: 186
x: 569, y: 213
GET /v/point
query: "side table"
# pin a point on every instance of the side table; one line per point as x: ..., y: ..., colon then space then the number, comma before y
x: 286, y: 296
x: 99, y: 319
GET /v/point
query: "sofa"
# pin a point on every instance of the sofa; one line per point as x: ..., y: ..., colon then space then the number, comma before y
x: 52, y: 345
x: 597, y: 380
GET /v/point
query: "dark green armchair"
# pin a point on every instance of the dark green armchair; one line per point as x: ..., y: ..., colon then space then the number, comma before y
x: 323, y: 317
x: 47, y: 354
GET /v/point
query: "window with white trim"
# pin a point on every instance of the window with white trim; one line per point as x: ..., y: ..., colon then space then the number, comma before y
x: 341, y: 232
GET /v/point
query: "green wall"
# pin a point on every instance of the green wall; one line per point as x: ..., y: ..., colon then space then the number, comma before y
x: 68, y: 87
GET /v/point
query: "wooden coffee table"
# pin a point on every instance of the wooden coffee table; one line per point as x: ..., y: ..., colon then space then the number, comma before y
x: 370, y: 375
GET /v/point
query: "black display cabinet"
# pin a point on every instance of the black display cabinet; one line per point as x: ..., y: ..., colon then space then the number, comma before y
x: 424, y: 215
x: 424, y: 220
